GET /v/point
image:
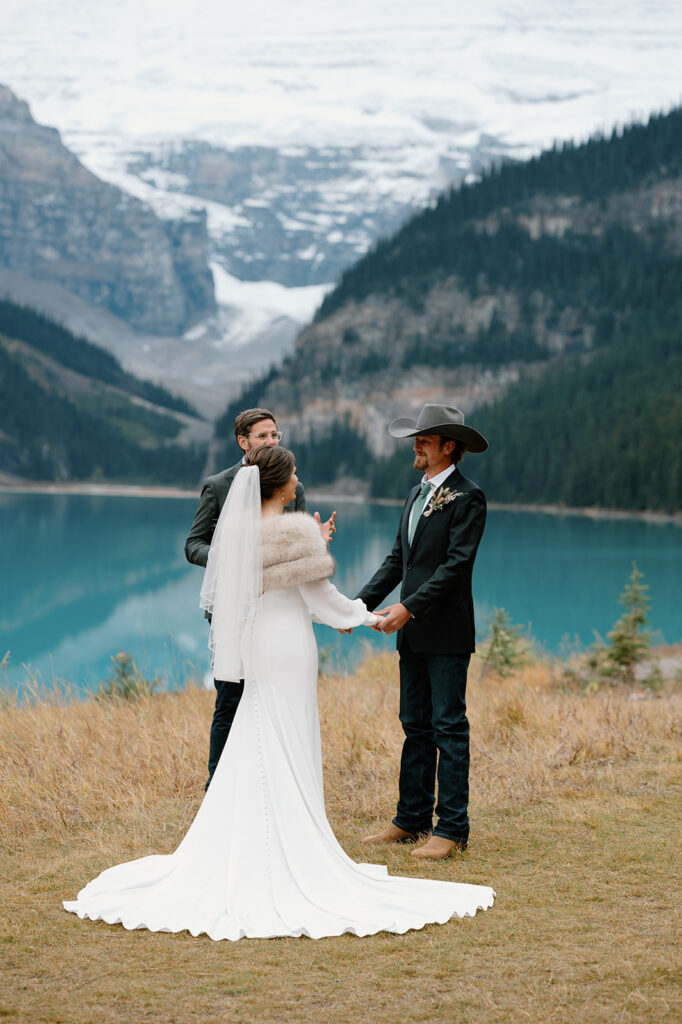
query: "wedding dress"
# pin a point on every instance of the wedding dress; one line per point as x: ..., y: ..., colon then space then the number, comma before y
x: 260, y: 859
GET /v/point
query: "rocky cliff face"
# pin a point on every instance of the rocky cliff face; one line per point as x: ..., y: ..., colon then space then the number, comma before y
x: 59, y: 223
x: 299, y: 215
x: 436, y: 336
x: 352, y: 365
x: 286, y: 220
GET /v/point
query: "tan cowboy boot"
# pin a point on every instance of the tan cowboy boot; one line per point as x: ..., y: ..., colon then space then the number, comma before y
x: 391, y: 834
x: 438, y: 848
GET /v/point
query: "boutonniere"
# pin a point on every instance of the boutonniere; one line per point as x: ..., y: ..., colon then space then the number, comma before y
x: 442, y: 497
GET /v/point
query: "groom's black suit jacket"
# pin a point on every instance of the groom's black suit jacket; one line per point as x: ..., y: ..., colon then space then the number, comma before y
x: 435, y: 571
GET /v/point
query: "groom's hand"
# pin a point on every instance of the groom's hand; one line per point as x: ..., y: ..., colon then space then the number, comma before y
x: 394, y: 617
x: 328, y: 529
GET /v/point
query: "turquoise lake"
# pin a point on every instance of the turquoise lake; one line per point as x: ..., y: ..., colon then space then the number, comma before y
x: 84, y: 577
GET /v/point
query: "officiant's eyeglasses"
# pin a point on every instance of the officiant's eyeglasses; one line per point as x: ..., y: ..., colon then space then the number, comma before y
x: 268, y: 435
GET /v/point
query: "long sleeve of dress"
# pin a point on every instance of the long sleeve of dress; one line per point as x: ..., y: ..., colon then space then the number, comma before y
x: 331, y: 608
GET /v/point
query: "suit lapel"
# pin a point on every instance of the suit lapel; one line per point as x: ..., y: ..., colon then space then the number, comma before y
x: 451, y: 483
x: 226, y: 483
x: 411, y: 498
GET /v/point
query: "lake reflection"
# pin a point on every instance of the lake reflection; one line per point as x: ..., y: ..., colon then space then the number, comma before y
x: 83, y: 577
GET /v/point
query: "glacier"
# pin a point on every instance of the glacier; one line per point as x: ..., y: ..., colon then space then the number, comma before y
x: 340, y: 119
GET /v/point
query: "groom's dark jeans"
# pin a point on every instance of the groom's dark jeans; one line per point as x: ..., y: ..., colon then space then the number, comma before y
x: 227, y: 700
x: 433, y: 716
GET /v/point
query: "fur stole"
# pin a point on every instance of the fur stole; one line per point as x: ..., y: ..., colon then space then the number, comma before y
x: 294, y: 551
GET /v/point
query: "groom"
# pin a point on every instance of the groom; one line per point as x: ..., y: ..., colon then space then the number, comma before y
x: 433, y: 557
x: 252, y: 427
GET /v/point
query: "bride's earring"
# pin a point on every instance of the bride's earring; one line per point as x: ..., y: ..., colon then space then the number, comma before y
x: 282, y: 496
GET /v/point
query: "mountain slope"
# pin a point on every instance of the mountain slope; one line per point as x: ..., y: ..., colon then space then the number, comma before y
x: 558, y: 276
x: 591, y: 185
x: 78, y: 354
x: 305, y: 144
x: 593, y: 431
x: 606, y: 433
x: 68, y: 411
x: 60, y: 223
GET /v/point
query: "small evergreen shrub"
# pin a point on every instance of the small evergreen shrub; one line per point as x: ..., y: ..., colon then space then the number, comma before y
x: 125, y: 681
x: 505, y: 647
x: 626, y: 655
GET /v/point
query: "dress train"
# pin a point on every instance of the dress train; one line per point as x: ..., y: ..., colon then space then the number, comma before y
x: 260, y: 859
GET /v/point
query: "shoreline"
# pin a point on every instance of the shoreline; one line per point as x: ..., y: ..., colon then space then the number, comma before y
x: 646, y: 515
x: 314, y: 494
x: 101, y: 490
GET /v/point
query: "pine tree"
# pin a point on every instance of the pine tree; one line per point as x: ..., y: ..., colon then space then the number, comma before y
x: 506, y: 646
x: 630, y: 638
x: 628, y: 646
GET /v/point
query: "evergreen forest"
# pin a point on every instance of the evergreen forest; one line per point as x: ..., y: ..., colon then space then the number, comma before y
x: 77, y: 354
x: 596, y: 422
x: 602, y: 433
x: 442, y: 239
x: 51, y: 429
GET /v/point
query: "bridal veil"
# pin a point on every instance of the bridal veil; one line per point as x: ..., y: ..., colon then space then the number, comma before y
x: 233, y: 579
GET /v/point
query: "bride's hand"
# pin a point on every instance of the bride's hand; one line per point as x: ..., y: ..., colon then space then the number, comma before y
x: 328, y: 529
x: 393, y: 617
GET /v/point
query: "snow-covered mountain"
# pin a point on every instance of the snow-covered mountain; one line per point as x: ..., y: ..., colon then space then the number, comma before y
x: 308, y: 129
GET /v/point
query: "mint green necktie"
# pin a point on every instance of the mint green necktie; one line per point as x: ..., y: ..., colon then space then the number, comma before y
x: 418, y: 508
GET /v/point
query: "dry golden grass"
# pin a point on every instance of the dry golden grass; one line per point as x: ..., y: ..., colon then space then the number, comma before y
x: 575, y: 822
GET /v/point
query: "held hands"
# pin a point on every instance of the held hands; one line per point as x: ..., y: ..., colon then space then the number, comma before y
x: 375, y: 626
x: 327, y: 529
x: 393, y: 618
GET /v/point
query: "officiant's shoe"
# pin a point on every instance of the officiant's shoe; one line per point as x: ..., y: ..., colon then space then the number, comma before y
x: 391, y: 834
x: 439, y: 848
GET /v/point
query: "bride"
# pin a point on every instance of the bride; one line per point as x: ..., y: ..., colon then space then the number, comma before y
x: 260, y: 859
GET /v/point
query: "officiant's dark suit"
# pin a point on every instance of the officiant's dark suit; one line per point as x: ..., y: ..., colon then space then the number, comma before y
x: 214, y: 491
x: 434, y: 570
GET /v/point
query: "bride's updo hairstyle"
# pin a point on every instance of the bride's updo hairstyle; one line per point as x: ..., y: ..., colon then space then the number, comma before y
x: 275, y: 466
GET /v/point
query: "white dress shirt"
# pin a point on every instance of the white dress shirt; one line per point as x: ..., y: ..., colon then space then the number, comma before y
x: 435, y: 482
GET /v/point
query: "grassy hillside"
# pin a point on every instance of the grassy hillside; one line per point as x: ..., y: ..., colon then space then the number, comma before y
x: 575, y: 823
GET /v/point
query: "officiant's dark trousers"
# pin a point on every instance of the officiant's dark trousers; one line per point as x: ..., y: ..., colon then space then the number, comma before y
x: 227, y: 700
x: 433, y: 716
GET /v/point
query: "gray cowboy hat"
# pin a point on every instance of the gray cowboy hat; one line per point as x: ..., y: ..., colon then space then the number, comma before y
x: 444, y: 420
